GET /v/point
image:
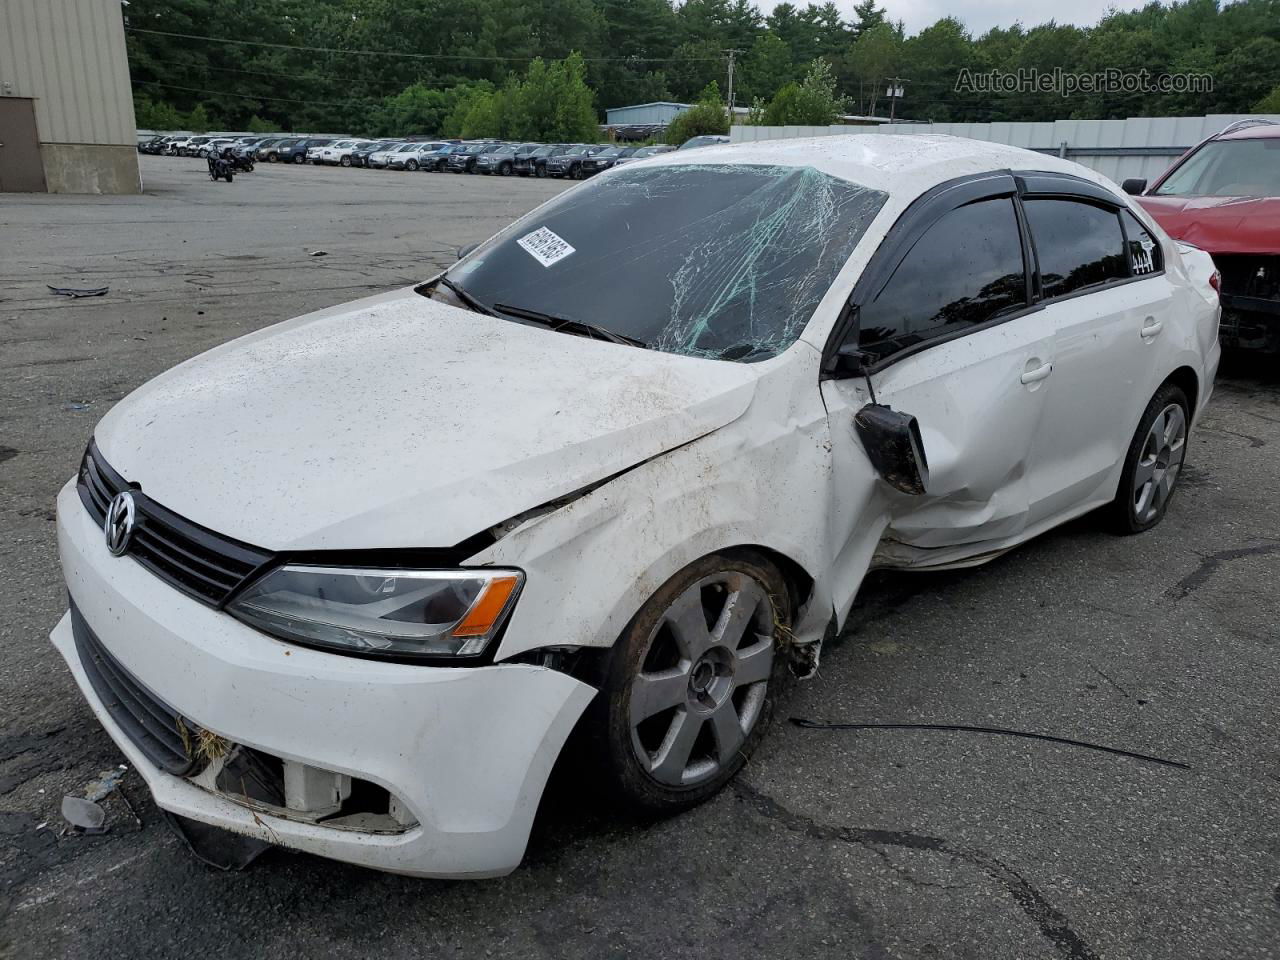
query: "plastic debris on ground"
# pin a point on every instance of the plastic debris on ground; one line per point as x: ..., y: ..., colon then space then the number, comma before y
x: 79, y: 292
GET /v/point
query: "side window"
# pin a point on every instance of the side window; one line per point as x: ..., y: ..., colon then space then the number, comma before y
x: 965, y: 270
x: 1078, y: 245
x: 1145, y: 255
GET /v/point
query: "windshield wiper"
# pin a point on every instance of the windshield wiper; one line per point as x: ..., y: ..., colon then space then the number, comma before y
x: 465, y: 297
x: 579, y: 327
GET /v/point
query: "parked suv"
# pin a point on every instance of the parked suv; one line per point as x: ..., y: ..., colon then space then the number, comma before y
x: 501, y: 160
x: 464, y: 161
x: 269, y: 150
x: 297, y: 151
x: 1223, y: 196
x: 532, y: 158
x: 413, y: 155
x: 569, y: 163
x: 605, y: 159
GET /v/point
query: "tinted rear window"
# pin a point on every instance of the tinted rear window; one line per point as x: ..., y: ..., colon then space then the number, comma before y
x: 1077, y: 245
x: 716, y: 260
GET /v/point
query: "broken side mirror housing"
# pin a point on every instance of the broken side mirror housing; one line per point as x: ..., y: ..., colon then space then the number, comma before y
x: 1134, y: 186
x: 894, y: 447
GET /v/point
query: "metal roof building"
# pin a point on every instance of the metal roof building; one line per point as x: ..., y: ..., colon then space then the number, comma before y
x: 66, y: 105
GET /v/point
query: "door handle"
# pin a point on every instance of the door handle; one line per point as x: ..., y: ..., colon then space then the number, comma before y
x: 1151, y: 326
x: 1038, y: 374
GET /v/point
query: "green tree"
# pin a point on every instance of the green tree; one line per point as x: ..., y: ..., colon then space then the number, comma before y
x: 875, y: 56
x: 1270, y: 103
x: 811, y: 103
x: 257, y: 125
x: 866, y: 17
x: 767, y: 67
x: 155, y: 116
x: 707, y: 116
x: 198, y: 119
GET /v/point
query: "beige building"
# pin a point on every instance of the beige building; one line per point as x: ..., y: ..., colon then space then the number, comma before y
x: 66, y: 105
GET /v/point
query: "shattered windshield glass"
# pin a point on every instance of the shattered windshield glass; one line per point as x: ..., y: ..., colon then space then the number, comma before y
x: 724, y: 261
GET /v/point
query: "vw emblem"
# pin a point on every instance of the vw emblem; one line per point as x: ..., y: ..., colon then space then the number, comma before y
x: 118, y: 528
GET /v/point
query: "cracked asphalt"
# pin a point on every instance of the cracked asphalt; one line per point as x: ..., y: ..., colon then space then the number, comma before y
x: 864, y: 842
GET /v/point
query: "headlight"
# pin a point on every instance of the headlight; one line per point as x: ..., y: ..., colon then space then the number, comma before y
x: 393, y: 613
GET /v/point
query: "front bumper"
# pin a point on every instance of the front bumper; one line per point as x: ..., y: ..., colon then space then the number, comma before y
x: 466, y: 750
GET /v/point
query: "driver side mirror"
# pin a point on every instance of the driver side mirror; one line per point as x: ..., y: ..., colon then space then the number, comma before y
x: 894, y: 447
x: 1134, y: 186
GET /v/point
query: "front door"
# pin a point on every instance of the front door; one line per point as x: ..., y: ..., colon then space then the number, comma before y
x: 21, y: 168
x: 953, y: 341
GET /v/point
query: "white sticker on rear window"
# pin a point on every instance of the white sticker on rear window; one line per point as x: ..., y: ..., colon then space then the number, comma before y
x: 545, y: 247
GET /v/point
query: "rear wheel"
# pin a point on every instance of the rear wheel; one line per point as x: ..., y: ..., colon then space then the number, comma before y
x: 1153, y: 463
x: 692, y: 681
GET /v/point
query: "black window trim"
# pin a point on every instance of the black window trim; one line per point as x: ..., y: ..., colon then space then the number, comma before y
x: 935, y: 203
x: 920, y: 215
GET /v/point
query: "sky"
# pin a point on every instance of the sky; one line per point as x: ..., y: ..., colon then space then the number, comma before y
x: 981, y: 15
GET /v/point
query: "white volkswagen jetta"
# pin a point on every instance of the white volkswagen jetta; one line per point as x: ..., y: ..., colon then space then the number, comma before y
x: 348, y: 583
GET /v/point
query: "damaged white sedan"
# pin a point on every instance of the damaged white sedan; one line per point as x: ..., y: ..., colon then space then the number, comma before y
x: 347, y: 584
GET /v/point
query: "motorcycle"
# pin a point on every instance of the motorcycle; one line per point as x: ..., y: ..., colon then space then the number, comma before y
x: 241, y: 162
x: 221, y: 166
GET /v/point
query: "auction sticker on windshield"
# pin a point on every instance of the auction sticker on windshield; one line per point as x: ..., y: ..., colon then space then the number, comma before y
x: 545, y: 247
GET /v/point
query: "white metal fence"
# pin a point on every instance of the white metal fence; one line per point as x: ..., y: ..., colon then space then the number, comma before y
x: 1137, y: 147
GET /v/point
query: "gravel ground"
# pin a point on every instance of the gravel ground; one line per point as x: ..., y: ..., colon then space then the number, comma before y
x: 869, y: 843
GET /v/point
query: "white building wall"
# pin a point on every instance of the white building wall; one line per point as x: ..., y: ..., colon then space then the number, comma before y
x: 1137, y: 147
x: 69, y: 55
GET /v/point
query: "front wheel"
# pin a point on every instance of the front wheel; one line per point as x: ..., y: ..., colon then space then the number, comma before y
x: 504, y: 170
x: 411, y: 165
x: 273, y: 158
x: 345, y: 161
x: 539, y: 172
x: 299, y: 159
x: 1153, y: 463
x: 692, y: 681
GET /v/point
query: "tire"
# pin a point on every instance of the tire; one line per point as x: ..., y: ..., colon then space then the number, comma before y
x: 540, y: 172
x: 1153, y: 462
x: 299, y: 158
x: 230, y: 175
x: 504, y: 170
x: 411, y: 165
x: 345, y: 162
x: 273, y: 158
x: 669, y: 742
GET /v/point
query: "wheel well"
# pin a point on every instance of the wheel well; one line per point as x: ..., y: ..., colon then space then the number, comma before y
x: 1185, y: 379
x: 798, y: 579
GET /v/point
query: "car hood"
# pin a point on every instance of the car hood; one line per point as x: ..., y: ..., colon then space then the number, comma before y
x: 399, y: 421
x: 1220, y: 224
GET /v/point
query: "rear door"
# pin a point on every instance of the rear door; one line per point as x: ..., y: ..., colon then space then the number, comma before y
x: 1107, y: 301
x: 943, y: 316
x: 21, y: 169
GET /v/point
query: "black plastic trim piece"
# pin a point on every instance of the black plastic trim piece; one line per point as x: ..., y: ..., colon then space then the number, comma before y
x: 150, y: 723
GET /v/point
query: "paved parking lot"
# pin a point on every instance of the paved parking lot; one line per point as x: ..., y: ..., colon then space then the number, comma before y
x: 866, y: 843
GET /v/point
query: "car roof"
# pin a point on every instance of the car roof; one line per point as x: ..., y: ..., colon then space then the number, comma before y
x: 900, y: 164
x: 1261, y: 131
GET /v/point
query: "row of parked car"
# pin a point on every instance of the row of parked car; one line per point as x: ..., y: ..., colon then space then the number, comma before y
x: 502, y: 158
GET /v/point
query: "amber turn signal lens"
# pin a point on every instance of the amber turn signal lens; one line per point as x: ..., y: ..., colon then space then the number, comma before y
x: 485, y: 612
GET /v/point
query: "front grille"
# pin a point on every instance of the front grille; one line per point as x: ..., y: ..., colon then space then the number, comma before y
x: 1249, y: 275
x: 153, y: 726
x: 202, y: 564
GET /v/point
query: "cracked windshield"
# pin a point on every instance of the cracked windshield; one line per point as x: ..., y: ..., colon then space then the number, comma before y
x: 724, y: 261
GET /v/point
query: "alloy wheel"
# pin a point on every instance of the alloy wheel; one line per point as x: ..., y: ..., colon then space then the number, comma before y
x: 704, y: 679
x: 1159, y: 463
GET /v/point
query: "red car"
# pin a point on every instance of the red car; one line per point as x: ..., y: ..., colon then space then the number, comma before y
x: 1223, y: 195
